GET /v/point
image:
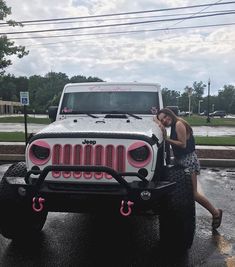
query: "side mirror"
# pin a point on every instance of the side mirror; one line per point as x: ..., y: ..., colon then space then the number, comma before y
x: 52, y: 112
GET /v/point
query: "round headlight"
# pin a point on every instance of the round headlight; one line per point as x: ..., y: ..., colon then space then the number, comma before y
x: 139, y: 154
x: 39, y: 152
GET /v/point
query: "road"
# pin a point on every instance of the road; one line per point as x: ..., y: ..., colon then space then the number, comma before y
x: 88, y: 240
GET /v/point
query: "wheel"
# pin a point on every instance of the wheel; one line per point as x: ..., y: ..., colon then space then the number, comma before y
x: 177, y: 214
x: 18, y: 220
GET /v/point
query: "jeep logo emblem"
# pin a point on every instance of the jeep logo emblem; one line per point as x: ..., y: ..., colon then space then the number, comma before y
x: 89, y: 142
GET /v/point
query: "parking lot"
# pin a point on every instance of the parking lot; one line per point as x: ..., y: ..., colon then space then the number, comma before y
x: 92, y: 240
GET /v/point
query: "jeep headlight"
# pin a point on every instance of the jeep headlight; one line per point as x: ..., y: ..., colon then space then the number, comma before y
x: 139, y: 154
x: 39, y: 152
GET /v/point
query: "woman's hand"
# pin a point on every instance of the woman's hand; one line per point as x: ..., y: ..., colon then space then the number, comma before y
x: 161, y: 126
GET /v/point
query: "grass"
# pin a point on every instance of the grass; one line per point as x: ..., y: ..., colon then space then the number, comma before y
x: 20, y: 119
x: 200, y: 140
x: 202, y: 121
x: 12, y: 137
x: 215, y: 140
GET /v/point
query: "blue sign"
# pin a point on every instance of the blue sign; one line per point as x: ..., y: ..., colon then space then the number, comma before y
x: 24, y: 98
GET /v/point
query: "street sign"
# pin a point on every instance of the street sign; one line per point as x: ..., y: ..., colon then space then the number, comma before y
x: 24, y: 98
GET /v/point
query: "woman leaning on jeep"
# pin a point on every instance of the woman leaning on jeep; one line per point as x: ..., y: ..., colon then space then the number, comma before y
x: 183, y: 147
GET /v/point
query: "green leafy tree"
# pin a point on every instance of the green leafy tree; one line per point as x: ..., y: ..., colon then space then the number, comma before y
x: 226, y: 99
x: 7, y: 47
x: 84, y: 79
x: 193, y: 93
x: 8, y: 88
x: 170, y: 97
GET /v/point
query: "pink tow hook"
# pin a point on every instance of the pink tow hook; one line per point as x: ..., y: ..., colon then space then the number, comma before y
x: 126, y: 205
x: 38, y: 204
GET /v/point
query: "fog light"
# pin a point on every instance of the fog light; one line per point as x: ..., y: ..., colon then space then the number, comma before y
x: 145, y: 195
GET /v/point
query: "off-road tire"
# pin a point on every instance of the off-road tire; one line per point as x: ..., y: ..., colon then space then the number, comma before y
x: 177, y: 214
x: 17, y: 219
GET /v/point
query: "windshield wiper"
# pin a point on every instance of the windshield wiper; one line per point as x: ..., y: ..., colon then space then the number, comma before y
x: 134, y: 116
x: 80, y: 112
x: 91, y: 115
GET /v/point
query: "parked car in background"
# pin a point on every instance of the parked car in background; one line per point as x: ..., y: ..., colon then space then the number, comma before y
x: 218, y: 113
x: 182, y: 113
x: 204, y: 113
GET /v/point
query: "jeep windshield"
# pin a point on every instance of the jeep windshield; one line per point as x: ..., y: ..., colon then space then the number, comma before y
x: 109, y: 102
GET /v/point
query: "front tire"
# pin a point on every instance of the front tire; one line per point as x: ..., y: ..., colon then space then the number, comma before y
x: 177, y: 216
x: 18, y: 220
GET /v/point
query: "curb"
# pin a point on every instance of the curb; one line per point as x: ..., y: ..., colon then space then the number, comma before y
x: 225, y: 163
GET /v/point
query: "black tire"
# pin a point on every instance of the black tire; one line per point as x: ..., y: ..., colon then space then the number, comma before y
x: 177, y: 215
x: 17, y: 219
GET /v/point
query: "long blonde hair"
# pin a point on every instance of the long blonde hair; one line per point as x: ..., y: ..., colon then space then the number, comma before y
x: 175, y: 118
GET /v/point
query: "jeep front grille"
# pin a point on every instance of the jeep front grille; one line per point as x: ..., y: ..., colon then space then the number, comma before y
x: 99, y: 155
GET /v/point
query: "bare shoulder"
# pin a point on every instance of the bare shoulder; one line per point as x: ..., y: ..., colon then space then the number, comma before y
x: 180, y: 126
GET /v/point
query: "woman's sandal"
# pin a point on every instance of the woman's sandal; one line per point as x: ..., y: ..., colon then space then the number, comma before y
x: 216, y: 222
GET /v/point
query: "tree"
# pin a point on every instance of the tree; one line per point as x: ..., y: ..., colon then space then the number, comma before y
x: 198, y: 89
x: 7, y: 47
x: 226, y: 99
x: 194, y: 94
x: 170, y: 97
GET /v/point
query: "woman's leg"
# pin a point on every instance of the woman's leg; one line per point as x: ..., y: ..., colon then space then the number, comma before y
x: 202, y: 200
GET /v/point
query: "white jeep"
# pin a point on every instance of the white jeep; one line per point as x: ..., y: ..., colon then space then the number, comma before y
x: 102, y: 153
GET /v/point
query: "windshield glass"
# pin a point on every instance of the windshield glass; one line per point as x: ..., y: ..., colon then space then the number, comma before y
x: 109, y: 102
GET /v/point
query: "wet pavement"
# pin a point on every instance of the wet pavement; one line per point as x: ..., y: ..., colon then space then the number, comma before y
x: 91, y: 240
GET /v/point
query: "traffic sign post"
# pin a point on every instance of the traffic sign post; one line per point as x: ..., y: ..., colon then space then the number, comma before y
x: 24, y: 100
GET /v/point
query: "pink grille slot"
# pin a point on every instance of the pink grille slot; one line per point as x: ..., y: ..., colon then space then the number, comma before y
x: 77, y: 159
x: 88, y: 159
x: 67, y: 158
x: 99, y: 160
x: 109, y: 159
x: 120, y: 158
x: 56, y: 159
x: 111, y: 156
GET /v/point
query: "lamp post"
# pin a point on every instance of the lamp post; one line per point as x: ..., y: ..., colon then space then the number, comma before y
x: 199, y: 106
x: 208, y: 102
x: 190, y: 90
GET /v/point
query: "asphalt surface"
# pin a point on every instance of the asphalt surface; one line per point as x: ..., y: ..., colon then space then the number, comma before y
x: 92, y: 240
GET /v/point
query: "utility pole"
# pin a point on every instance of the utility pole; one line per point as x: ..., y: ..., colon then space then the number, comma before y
x: 208, y: 102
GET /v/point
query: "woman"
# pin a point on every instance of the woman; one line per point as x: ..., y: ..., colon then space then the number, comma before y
x: 183, y: 147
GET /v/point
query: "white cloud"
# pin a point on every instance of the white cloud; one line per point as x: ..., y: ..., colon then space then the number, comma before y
x: 175, y: 58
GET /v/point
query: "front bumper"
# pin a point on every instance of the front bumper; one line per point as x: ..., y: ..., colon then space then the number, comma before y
x: 86, y: 197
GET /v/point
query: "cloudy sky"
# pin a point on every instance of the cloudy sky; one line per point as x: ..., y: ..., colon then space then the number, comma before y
x: 167, y: 44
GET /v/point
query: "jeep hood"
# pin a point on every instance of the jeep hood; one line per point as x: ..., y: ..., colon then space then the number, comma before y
x: 145, y: 126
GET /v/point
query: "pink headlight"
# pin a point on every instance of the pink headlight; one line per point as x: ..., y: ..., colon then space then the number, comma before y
x: 139, y: 154
x: 39, y: 152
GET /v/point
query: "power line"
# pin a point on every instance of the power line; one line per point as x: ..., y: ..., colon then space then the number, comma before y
x: 117, y: 24
x: 117, y: 19
x: 129, y: 13
x: 123, y: 32
x: 199, y: 12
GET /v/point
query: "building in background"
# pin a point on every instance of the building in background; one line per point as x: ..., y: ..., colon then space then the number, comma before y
x: 9, y: 107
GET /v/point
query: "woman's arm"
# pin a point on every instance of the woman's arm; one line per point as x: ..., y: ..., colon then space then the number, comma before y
x: 181, y: 135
